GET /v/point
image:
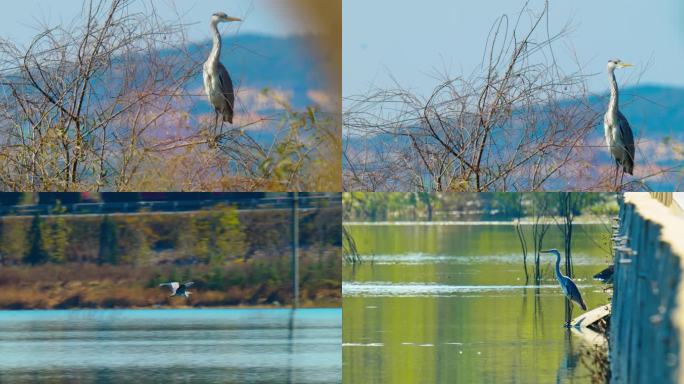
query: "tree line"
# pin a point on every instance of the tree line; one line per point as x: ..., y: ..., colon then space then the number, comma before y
x: 213, y: 237
x: 423, y: 206
x: 234, y: 257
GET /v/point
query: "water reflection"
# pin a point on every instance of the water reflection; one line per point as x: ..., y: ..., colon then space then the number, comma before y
x: 301, y: 346
x: 462, y: 314
x: 570, y: 360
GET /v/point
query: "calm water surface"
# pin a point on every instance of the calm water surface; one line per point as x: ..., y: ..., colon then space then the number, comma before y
x: 197, y: 345
x: 449, y: 304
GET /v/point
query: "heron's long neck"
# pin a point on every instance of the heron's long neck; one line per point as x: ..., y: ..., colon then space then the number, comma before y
x: 558, y: 272
x: 216, y: 50
x: 613, y: 105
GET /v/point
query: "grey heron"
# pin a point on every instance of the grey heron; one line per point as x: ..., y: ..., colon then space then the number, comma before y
x: 217, y: 82
x: 178, y: 289
x: 567, y: 285
x: 618, y: 133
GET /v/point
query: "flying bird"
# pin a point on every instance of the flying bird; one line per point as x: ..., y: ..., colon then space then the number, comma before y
x: 178, y: 289
x: 217, y: 82
x: 619, y: 137
x: 567, y: 285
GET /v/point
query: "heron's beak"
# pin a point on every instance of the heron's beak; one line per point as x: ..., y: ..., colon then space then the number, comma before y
x: 230, y: 18
x: 624, y: 65
x: 544, y: 251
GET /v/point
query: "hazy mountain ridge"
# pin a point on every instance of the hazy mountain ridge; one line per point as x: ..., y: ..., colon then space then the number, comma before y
x: 656, y: 114
x: 288, y: 64
x: 652, y: 110
x: 640, y: 105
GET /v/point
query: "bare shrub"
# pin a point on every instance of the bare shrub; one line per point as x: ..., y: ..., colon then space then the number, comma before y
x: 521, y: 123
x: 102, y: 104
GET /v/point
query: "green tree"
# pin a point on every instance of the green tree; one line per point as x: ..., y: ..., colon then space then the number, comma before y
x: 136, y: 237
x: 55, y: 233
x: 109, y: 247
x: 427, y: 200
x: 14, y: 242
x: 230, y: 237
x: 509, y: 204
x: 36, y: 253
x: 215, y: 237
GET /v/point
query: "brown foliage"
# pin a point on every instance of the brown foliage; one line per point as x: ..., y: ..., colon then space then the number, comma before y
x: 97, y: 105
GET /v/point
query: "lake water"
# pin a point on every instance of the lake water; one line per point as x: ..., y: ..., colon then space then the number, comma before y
x: 449, y: 304
x: 197, y: 345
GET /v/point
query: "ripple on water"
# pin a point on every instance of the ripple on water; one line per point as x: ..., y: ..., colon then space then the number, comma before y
x: 344, y: 345
x: 389, y: 289
x: 422, y: 258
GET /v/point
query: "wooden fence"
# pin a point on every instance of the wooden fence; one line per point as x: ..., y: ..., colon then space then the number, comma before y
x: 647, y: 321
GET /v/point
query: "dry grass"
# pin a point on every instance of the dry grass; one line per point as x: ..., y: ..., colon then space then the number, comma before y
x: 76, y: 285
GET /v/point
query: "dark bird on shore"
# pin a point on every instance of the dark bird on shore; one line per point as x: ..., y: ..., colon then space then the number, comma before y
x: 178, y: 289
x: 567, y: 285
x: 606, y: 275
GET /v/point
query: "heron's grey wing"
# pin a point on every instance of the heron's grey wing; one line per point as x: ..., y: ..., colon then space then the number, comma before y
x: 173, y: 286
x: 188, y: 284
x: 627, y: 135
x: 226, y: 86
x: 574, y: 293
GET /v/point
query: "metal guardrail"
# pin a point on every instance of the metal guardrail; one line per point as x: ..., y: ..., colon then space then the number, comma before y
x: 306, y: 201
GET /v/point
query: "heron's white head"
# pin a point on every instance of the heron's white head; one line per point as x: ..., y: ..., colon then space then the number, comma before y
x: 221, y: 17
x: 616, y: 63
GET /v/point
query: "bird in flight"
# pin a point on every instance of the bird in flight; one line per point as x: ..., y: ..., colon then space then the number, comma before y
x: 178, y: 289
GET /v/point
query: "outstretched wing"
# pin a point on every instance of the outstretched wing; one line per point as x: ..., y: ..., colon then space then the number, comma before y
x: 574, y: 293
x: 627, y: 137
x: 173, y: 286
x: 188, y: 284
x: 227, y: 91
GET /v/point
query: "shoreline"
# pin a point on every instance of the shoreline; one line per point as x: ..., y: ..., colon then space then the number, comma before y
x: 523, y: 221
x: 184, y: 307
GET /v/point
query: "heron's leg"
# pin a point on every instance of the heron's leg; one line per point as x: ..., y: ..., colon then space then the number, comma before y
x: 568, y: 312
x: 621, y: 178
x: 216, y: 123
x: 617, y: 168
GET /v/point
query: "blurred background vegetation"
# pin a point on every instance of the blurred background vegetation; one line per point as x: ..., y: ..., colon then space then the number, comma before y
x: 421, y: 206
x: 236, y: 248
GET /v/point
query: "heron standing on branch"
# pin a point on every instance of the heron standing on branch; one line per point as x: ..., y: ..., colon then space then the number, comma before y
x: 217, y: 82
x: 178, y: 289
x: 567, y: 285
x: 618, y: 133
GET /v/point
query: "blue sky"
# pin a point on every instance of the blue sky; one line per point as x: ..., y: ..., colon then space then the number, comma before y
x: 19, y: 18
x: 411, y: 41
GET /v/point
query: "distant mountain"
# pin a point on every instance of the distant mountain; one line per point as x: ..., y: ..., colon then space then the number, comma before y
x: 289, y: 64
x: 653, y: 111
